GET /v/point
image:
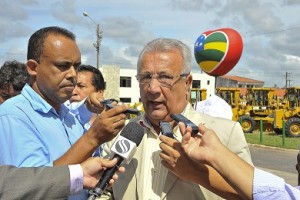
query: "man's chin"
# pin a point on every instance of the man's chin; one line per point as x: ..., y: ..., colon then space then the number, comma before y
x: 73, y: 100
x: 157, y: 116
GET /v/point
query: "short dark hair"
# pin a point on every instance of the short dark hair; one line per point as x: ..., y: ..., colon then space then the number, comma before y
x: 37, y: 39
x: 98, y: 80
x: 15, y: 73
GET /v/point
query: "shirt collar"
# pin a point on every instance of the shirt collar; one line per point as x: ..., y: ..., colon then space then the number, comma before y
x: 39, y: 104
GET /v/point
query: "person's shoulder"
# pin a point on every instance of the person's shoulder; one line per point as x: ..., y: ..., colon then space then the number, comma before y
x: 212, y: 121
x: 192, y: 113
x: 13, y: 105
x: 218, y: 118
x: 213, y: 118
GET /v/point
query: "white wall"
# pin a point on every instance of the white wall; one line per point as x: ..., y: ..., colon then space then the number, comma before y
x: 204, y: 78
x: 134, y: 91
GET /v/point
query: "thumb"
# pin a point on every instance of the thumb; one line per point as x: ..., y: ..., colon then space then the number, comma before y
x: 185, y: 138
x: 185, y: 132
x: 202, y: 129
x: 107, y: 163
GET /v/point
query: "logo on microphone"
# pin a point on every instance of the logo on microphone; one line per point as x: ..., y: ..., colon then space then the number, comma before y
x: 122, y: 146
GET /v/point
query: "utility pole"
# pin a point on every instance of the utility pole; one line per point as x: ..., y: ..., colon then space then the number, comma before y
x: 287, y: 80
x: 289, y: 83
x: 98, y: 39
x: 98, y: 43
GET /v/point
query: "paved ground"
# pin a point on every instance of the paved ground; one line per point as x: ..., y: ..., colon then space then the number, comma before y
x: 291, y: 178
x: 280, y: 162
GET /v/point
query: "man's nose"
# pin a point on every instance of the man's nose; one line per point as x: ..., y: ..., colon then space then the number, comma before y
x: 75, y: 91
x: 72, y: 71
x: 154, y: 84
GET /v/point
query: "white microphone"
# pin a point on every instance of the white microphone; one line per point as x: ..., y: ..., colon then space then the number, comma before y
x: 123, y: 149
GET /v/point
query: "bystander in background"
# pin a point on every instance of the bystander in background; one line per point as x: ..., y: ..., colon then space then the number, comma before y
x: 13, y: 77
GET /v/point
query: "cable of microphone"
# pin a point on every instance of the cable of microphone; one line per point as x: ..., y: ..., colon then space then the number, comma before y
x: 123, y: 149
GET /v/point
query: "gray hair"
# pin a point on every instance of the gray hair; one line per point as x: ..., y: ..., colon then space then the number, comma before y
x: 166, y: 44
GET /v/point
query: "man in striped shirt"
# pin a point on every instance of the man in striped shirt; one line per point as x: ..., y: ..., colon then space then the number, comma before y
x: 164, y: 75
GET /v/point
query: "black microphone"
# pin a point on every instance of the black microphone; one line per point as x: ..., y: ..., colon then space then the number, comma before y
x: 123, y: 149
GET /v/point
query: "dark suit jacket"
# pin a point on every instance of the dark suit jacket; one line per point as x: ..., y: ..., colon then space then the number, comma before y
x: 34, y: 183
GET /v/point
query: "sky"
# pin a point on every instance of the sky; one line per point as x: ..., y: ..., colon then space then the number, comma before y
x: 270, y: 30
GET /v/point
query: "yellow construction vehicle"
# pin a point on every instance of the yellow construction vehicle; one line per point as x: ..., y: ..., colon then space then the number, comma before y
x: 256, y: 105
x: 197, y: 94
x: 261, y: 104
x: 289, y: 112
x: 234, y: 98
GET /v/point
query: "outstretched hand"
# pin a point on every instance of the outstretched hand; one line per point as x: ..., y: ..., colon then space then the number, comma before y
x: 94, y: 167
x: 194, y: 158
x: 208, y: 149
x: 201, y: 147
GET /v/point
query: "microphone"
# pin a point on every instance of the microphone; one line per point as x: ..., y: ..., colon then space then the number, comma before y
x: 123, y: 149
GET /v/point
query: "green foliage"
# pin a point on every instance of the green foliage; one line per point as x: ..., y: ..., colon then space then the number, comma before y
x: 273, y: 140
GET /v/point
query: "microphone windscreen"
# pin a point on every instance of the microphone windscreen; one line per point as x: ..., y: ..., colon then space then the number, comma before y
x: 133, y: 132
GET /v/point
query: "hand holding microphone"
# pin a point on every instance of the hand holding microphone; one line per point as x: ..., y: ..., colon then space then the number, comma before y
x: 123, y: 149
x: 95, y: 165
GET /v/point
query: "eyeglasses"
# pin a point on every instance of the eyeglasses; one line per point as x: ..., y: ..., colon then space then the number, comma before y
x: 165, y: 80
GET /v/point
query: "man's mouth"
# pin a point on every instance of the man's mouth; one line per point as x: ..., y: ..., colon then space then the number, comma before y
x: 69, y: 87
x: 155, y: 103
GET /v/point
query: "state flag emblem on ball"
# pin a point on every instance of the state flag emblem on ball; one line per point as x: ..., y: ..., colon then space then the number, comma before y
x: 218, y: 51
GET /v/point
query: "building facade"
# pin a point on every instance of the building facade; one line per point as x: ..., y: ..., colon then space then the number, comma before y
x: 238, y: 82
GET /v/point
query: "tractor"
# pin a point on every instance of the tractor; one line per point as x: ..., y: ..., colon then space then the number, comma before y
x: 233, y: 97
x: 261, y: 104
x: 289, y: 112
x: 197, y: 94
x: 258, y: 104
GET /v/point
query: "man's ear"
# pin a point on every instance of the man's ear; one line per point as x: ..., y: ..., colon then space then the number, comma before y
x: 31, y: 66
x: 188, y: 83
x: 100, y: 95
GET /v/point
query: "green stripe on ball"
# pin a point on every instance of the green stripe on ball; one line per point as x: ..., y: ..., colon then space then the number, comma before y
x: 209, y: 55
x: 216, y: 37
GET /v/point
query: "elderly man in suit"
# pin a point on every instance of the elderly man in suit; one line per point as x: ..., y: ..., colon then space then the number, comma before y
x: 164, y: 75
